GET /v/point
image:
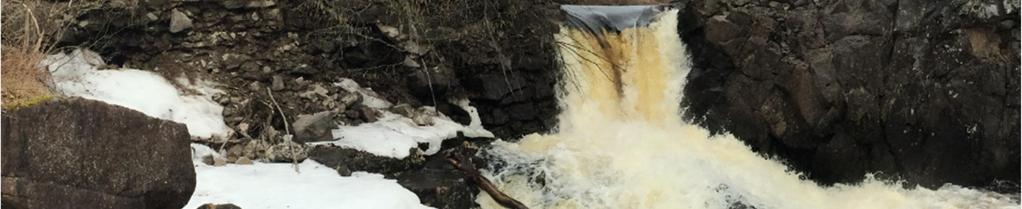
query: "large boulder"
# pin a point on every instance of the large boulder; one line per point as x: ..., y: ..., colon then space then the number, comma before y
x: 918, y: 90
x: 78, y: 153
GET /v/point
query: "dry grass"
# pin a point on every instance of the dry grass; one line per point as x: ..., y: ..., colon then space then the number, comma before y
x: 31, y: 29
x: 23, y: 81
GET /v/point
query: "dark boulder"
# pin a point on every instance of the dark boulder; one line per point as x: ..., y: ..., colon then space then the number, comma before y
x: 431, y: 178
x: 440, y: 187
x: 219, y: 206
x: 428, y: 83
x: 917, y: 90
x: 78, y: 153
x: 438, y: 183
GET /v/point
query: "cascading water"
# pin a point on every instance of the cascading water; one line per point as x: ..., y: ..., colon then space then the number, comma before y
x: 621, y: 143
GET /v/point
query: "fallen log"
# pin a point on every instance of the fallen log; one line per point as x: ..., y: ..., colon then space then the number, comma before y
x: 465, y: 165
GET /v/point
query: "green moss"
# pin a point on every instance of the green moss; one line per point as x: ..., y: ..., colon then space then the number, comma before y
x: 17, y: 103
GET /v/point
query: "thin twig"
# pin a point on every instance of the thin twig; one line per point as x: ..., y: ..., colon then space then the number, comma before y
x: 373, y: 67
x: 429, y: 81
x: 279, y: 110
x: 35, y: 22
x: 287, y: 138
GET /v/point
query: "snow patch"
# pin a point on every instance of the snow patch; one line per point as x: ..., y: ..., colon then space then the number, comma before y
x: 475, y: 127
x: 76, y: 74
x: 393, y: 135
x: 199, y: 151
x: 279, y: 185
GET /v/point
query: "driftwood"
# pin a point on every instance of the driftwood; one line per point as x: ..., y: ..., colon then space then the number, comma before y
x: 464, y: 164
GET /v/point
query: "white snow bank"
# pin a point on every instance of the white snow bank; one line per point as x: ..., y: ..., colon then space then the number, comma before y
x: 393, y: 135
x: 75, y: 74
x: 278, y: 185
x: 475, y: 126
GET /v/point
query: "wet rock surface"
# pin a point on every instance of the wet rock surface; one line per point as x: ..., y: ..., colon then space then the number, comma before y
x: 924, y: 91
x: 432, y: 178
x: 78, y: 153
x: 439, y: 185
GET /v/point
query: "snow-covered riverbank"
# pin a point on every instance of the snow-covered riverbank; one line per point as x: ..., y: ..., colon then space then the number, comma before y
x: 263, y: 184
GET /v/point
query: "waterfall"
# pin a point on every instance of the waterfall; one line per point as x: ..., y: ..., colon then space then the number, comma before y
x: 621, y: 143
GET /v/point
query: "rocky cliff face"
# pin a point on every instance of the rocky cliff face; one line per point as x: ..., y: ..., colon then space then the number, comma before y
x: 499, y: 54
x: 925, y: 91
x: 81, y: 153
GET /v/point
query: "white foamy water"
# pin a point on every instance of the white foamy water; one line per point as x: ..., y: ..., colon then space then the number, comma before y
x: 622, y: 144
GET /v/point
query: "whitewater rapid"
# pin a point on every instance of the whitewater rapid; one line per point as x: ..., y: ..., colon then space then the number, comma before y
x: 621, y: 143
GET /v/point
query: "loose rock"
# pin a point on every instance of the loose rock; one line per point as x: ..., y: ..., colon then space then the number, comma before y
x: 314, y: 127
x: 277, y: 83
x: 243, y: 161
x: 179, y: 21
x: 286, y: 152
